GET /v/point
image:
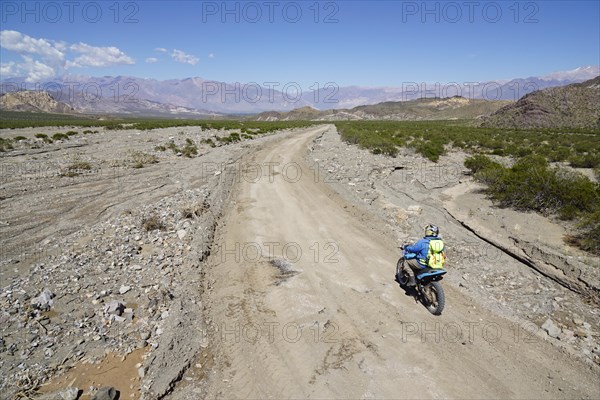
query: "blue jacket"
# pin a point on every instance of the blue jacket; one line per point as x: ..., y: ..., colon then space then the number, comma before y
x: 421, y: 249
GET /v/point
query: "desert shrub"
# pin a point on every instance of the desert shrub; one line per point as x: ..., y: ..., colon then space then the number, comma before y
x: 44, y: 137
x: 586, y: 161
x: 139, y: 159
x: 72, y: 133
x: 560, y: 154
x: 479, y: 162
x: 588, y: 235
x: 209, y: 142
x: 484, y: 169
x: 76, y: 168
x: 388, y: 149
x: 19, y: 138
x: 189, y: 150
x: 160, y: 148
x: 232, y: 138
x: 531, y: 184
x: 60, y: 136
x: 194, y: 210
x: 153, y: 222
x: 430, y: 150
x: 5, y: 144
x: 173, y: 147
x: 89, y: 131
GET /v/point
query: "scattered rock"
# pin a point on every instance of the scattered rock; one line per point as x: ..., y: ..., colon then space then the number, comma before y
x: 181, y: 233
x: 124, y: 289
x: 106, y: 393
x: 44, y: 300
x: 551, y: 328
x: 70, y: 393
x: 115, y: 307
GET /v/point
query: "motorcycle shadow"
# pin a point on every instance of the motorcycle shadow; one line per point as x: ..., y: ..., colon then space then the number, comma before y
x: 410, y: 291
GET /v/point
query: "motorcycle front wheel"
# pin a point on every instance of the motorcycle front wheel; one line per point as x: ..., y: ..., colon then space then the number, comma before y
x: 401, y: 275
x: 434, y: 298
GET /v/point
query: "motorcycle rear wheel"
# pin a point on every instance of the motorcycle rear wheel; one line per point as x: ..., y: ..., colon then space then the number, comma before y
x: 434, y: 298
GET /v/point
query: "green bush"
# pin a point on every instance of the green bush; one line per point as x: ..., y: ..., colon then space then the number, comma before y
x: 44, y: 137
x: 480, y: 162
x: 431, y: 150
x: 77, y: 168
x: 5, y: 144
x: 589, y: 237
x: 586, y: 161
x: 190, y: 149
x: 139, y: 159
x: 60, y: 136
x: 209, y: 142
x: 531, y: 184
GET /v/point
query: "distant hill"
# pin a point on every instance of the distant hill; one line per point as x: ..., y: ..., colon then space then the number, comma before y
x: 422, y: 109
x: 572, y: 106
x: 33, y: 101
x: 42, y: 101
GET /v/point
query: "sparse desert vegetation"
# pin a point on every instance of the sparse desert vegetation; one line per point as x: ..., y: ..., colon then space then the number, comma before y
x: 140, y: 159
x: 532, y: 183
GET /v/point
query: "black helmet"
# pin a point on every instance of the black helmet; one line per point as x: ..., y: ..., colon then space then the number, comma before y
x: 432, y: 230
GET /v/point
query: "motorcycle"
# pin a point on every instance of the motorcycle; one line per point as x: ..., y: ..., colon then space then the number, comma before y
x: 429, y: 288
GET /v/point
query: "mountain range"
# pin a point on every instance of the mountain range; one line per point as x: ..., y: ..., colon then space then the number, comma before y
x: 198, y: 98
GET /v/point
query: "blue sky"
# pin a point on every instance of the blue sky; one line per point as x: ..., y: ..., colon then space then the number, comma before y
x: 371, y: 43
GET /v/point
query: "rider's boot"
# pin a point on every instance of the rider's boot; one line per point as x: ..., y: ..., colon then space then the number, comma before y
x: 411, y: 281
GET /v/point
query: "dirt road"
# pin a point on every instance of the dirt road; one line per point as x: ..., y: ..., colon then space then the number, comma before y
x: 337, y: 325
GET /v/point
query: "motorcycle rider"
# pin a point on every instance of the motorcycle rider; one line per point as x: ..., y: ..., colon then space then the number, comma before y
x: 421, y: 249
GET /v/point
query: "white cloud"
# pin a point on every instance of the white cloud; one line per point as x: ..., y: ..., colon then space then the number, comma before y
x: 33, y: 70
x: 9, y: 70
x: 25, y: 45
x: 92, y: 56
x: 182, y: 57
x: 151, y: 60
x: 44, y: 58
x: 37, y: 71
x: 211, y: 55
x: 161, y: 49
